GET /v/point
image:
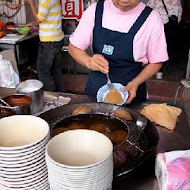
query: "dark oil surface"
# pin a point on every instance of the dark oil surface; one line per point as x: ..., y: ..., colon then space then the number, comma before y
x: 106, y: 124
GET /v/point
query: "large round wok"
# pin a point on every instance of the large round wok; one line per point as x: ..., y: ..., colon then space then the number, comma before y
x: 129, y: 154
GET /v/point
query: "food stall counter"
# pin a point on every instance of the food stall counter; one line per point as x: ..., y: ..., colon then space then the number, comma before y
x: 143, y: 177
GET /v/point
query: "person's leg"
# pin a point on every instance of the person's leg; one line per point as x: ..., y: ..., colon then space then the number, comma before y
x: 167, y: 64
x: 172, y: 39
x: 56, y: 68
x: 44, y: 63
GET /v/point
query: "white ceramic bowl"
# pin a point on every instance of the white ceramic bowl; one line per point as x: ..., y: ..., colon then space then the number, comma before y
x: 109, y: 188
x: 44, y: 186
x: 23, y: 151
x: 89, y: 178
x: 83, y: 180
x: 65, y: 168
x: 85, y: 148
x: 25, y: 181
x: 23, y: 172
x: 28, y: 174
x: 22, y: 131
x: 17, y: 155
x: 102, y: 92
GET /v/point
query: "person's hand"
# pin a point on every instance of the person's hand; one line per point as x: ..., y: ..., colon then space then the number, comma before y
x: 32, y: 24
x: 98, y: 63
x: 131, y: 87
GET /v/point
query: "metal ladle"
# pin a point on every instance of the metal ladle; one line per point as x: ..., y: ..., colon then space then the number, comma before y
x: 5, y: 109
x: 4, y: 103
x: 141, y: 123
x: 109, y: 83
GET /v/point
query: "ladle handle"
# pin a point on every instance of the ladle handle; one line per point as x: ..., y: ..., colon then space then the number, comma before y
x: 141, y: 123
x: 4, y: 103
x: 108, y: 79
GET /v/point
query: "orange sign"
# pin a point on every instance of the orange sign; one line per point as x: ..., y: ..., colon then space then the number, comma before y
x: 72, y: 9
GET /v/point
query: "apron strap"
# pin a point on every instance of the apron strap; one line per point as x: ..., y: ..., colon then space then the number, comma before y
x: 140, y: 20
x: 99, y: 13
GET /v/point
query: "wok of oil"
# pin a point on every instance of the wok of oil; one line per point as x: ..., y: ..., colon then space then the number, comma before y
x: 87, y: 121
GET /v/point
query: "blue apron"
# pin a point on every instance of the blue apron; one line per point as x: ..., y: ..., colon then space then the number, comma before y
x: 117, y: 48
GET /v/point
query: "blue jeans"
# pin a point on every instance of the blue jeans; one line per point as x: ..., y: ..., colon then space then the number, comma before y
x: 49, y: 63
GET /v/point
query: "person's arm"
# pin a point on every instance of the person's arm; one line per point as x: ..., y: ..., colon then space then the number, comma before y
x: 34, y: 12
x: 33, y: 8
x: 150, y: 70
x: 96, y: 62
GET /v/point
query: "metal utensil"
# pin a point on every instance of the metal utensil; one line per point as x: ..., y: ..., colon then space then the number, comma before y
x: 141, y: 122
x: 109, y: 83
x: 6, y: 111
x: 4, y: 103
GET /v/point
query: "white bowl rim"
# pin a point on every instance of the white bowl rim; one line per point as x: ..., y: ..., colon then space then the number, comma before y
x: 19, y: 86
x: 40, y: 164
x: 78, y: 167
x: 67, y: 168
x: 33, y: 143
x: 22, y: 164
x: 108, y: 179
x: 34, y: 150
x: 27, y: 179
x: 44, y: 185
x: 23, y: 159
x: 5, y: 153
x: 77, y: 179
x: 17, y: 174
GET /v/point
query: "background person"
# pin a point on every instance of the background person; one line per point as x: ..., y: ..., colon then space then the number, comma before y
x: 49, y: 18
x: 173, y: 7
x: 123, y: 34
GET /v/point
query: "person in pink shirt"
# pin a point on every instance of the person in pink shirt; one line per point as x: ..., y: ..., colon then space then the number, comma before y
x: 128, y: 42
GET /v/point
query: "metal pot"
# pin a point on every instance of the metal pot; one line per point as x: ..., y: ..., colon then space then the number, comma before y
x: 33, y: 88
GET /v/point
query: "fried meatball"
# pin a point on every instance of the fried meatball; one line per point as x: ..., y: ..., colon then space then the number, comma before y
x: 76, y: 125
x: 122, y: 114
x: 117, y: 136
x: 81, y: 110
x: 59, y: 130
x: 100, y: 127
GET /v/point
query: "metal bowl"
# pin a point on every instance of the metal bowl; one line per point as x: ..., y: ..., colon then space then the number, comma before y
x: 19, y: 104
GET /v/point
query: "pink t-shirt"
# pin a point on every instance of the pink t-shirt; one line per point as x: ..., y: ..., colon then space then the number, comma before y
x: 149, y: 45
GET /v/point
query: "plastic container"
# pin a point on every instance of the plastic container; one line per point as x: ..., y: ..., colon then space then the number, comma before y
x: 23, y: 30
x: 6, y: 73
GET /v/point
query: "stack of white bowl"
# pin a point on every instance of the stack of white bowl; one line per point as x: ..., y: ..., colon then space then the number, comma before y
x: 22, y: 153
x: 80, y: 160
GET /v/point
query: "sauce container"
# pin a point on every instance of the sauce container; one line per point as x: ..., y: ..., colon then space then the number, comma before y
x: 19, y: 104
x: 33, y: 88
